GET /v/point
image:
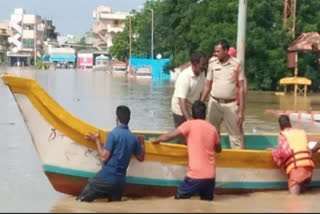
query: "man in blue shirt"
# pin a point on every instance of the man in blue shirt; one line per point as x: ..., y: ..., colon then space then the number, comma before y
x: 120, y: 145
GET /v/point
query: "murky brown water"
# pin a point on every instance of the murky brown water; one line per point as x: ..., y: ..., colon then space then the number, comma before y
x: 93, y: 96
x: 275, y: 201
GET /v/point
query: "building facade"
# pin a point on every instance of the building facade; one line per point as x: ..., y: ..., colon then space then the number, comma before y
x: 107, y: 24
x: 27, y: 35
x: 4, y: 44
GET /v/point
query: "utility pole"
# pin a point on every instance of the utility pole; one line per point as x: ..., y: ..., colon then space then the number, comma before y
x: 130, y: 42
x: 289, y: 11
x: 241, y: 35
x: 152, y: 26
x: 35, y: 42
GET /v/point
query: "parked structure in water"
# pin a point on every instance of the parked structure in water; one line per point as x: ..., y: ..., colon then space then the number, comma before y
x: 62, y: 57
x: 91, y: 58
x: 107, y: 24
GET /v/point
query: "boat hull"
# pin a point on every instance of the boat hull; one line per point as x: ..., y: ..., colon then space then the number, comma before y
x: 73, y: 185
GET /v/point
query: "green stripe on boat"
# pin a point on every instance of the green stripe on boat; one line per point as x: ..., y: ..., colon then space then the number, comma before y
x: 162, y: 182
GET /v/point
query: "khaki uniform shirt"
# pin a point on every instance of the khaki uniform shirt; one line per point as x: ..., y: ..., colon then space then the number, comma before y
x: 187, y: 86
x: 223, y: 76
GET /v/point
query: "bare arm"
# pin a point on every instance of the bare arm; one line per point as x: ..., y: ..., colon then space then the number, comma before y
x: 140, y: 157
x: 166, y: 137
x: 104, y: 154
x: 217, y: 148
x: 245, y: 91
x: 316, y: 147
x: 241, y: 103
x: 206, y: 90
x: 184, y: 110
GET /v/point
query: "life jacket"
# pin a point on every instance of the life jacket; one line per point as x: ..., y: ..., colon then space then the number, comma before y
x: 301, y: 155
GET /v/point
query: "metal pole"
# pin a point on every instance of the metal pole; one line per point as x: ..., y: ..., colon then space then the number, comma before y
x: 130, y: 38
x: 294, y: 8
x: 152, y: 25
x: 35, y: 42
x: 241, y: 36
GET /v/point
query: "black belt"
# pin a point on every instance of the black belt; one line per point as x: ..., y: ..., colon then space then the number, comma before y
x: 223, y: 100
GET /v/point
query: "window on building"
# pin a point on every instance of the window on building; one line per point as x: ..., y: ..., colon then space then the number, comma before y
x: 28, y: 27
x: 28, y: 43
x: 116, y: 22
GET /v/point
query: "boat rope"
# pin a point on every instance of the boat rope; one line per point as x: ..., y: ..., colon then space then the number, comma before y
x: 53, y: 134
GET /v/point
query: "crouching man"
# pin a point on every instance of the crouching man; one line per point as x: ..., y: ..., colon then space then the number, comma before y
x: 202, y: 141
x: 294, y: 155
x: 109, y: 182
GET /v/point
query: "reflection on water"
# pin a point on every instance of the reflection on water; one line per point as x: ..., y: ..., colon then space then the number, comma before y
x: 93, y: 97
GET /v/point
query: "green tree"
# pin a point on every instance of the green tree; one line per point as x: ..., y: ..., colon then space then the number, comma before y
x: 81, y: 44
x: 308, y: 20
x: 184, y: 26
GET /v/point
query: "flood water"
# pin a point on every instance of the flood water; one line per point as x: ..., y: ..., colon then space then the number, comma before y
x: 93, y: 97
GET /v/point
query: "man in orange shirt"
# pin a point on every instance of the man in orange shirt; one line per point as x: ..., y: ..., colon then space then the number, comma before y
x: 203, y: 141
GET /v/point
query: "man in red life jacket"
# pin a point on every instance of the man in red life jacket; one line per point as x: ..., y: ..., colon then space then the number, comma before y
x: 294, y: 155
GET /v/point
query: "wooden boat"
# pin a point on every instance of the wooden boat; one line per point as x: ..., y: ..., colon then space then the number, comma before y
x: 69, y: 160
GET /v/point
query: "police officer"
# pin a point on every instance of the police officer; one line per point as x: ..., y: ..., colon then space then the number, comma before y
x: 223, y: 76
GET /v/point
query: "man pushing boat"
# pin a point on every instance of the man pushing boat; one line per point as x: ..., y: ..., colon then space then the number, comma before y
x: 202, y: 140
x: 120, y: 145
x: 294, y: 154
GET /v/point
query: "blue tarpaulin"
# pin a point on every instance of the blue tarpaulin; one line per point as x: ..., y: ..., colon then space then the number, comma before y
x: 45, y: 57
x: 157, y: 66
x: 62, y: 58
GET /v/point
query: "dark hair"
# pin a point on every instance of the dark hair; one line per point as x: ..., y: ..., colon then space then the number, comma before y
x: 198, y: 110
x: 123, y: 114
x: 284, y: 121
x: 196, y: 57
x: 224, y: 44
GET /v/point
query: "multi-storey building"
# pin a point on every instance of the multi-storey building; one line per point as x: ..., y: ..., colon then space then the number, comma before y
x: 4, y: 44
x: 28, y: 33
x: 107, y: 24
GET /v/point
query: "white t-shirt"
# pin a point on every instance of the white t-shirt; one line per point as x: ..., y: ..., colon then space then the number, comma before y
x: 188, y: 86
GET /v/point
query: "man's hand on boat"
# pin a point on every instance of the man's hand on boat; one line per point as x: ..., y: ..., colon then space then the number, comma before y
x: 166, y: 137
x: 92, y: 137
x: 141, y: 140
x: 154, y: 140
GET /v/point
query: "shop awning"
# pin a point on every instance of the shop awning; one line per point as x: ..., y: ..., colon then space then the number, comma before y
x: 62, y: 58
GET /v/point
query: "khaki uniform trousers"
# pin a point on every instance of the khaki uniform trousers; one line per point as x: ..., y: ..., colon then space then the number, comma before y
x: 228, y: 113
